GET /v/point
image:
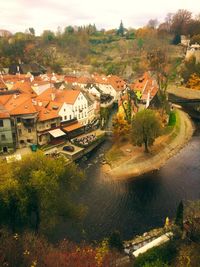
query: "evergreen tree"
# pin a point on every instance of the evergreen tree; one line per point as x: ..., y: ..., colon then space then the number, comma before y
x: 115, y: 241
x: 179, y: 215
x: 120, y: 31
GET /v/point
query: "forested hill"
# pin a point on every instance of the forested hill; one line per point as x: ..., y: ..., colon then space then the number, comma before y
x: 117, y: 51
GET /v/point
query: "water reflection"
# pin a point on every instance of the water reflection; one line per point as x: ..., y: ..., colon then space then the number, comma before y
x: 134, y: 206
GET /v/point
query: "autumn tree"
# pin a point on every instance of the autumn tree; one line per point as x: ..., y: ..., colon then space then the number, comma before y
x: 165, y: 71
x: 35, y: 192
x: 195, y: 39
x: 27, y: 249
x: 194, y: 81
x: 146, y: 126
x: 152, y: 23
x: 189, y: 68
x: 121, y: 128
x: 180, y: 21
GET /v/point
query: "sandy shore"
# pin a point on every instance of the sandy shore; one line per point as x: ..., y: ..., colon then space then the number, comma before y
x: 135, y: 162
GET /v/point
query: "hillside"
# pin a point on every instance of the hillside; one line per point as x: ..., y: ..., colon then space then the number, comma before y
x: 102, y: 52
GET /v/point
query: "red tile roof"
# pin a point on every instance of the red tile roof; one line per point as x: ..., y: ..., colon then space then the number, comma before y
x: 60, y: 96
x: 47, y: 114
x: 4, y: 99
x: 117, y: 83
x: 20, y: 104
x: 70, y: 79
x: 4, y: 114
x: 145, y: 84
x: 23, y: 86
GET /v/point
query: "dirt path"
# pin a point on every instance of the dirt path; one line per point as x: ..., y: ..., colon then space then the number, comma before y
x: 134, y: 166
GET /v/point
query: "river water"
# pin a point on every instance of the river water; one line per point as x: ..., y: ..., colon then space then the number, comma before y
x: 135, y: 205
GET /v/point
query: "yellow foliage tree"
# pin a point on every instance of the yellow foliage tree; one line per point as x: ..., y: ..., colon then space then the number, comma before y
x: 194, y: 81
x: 121, y: 128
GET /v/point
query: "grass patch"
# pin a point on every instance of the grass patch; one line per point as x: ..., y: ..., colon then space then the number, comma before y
x: 172, y: 118
x: 113, y: 155
x: 173, y: 124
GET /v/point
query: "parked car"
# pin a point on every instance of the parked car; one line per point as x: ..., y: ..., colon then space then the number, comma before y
x: 68, y: 148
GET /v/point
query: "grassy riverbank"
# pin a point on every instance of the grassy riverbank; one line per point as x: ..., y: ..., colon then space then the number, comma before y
x: 126, y: 161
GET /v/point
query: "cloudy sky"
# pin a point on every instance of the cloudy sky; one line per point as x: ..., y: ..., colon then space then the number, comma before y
x: 18, y: 15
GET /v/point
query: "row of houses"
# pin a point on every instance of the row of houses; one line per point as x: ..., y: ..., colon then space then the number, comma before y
x: 47, y: 108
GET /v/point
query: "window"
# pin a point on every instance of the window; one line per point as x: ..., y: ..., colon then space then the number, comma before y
x: 29, y: 130
x: 64, y: 109
x: 1, y: 123
x: 3, y: 137
x: 70, y: 117
x: 18, y: 120
x: 65, y: 118
x: 53, y: 125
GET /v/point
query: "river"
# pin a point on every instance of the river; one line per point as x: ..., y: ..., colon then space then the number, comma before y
x: 136, y: 205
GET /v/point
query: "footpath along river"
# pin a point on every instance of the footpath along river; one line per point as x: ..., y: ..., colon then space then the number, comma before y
x: 136, y: 205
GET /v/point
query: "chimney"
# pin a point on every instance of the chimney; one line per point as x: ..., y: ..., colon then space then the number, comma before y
x: 34, y: 102
x: 32, y: 78
x: 53, y: 96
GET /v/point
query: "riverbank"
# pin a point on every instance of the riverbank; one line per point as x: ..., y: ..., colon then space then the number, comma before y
x: 131, y: 161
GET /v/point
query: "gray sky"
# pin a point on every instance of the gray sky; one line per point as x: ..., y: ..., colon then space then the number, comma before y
x: 18, y: 15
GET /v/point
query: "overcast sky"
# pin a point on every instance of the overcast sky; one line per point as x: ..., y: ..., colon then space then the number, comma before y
x: 18, y: 15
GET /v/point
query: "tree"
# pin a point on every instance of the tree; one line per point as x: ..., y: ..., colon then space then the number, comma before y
x: 180, y: 21
x: 152, y: 23
x: 190, y: 67
x: 48, y: 36
x: 115, y: 241
x: 32, y: 31
x: 140, y: 43
x: 40, y: 193
x: 146, y: 126
x: 194, y: 81
x: 69, y: 30
x: 121, y: 29
x: 164, y: 70
x: 179, y: 215
x: 27, y: 249
x: 121, y: 128
x: 104, y: 116
x: 195, y: 39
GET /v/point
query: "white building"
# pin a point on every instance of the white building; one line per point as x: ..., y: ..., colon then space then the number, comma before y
x: 70, y: 104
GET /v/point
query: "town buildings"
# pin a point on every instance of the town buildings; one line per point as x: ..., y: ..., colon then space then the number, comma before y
x: 49, y: 108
